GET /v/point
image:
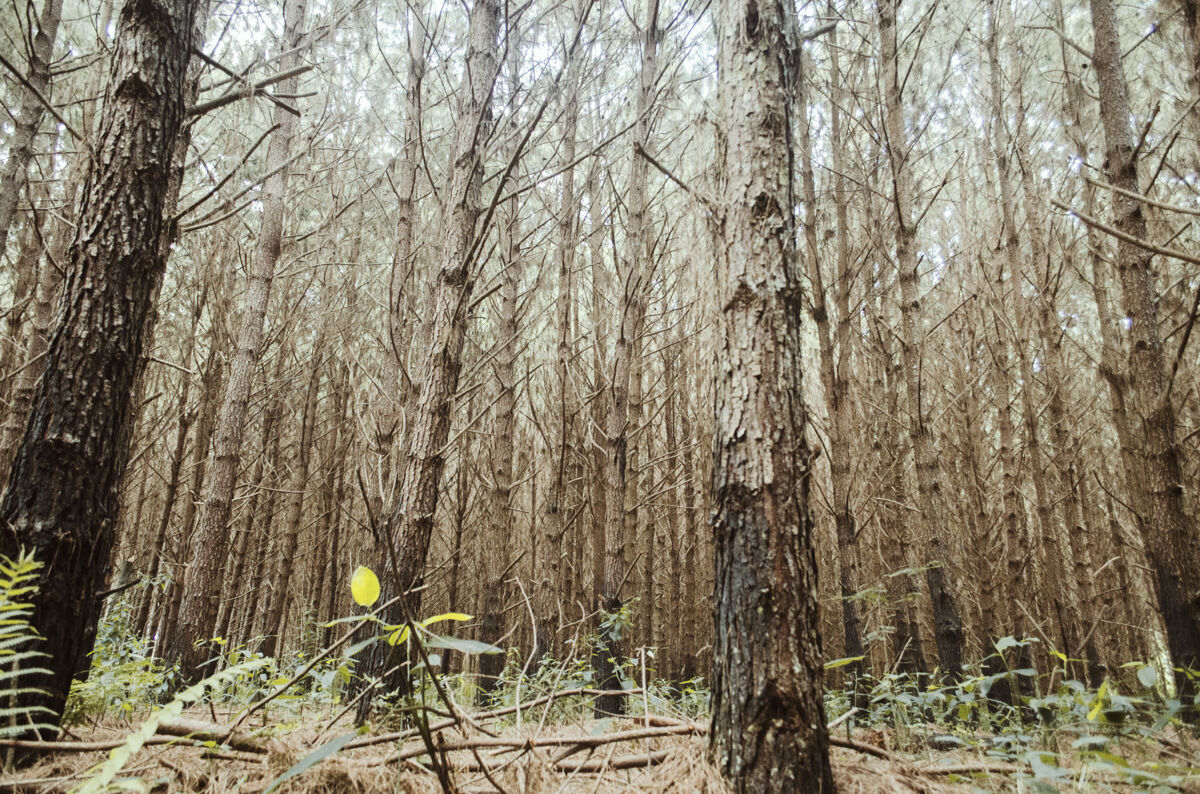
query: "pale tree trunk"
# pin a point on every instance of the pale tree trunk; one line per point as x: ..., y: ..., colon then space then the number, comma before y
x: 212, y: 381
x: 948, y: 631
x: 600, y: 388
x: 409, y: 527
x: 207, y: 547
x: 908, y: 649
x: 691, y: 542
x: 388, y: 435
x: 835, y: 382
x: 1191, y: 28
x: 1008, y: 291
x: 500, y: 513
x: 768, y: 725
x: 620, y: 482
x: 14, y: 177
x: 63, y: 494
x: 280, y: 593
x: 675, y: 613
x: 1171, y: 538
x: 24, y: 369
x: 187, y: 416
x: 243, y: 547
x: 558, y: 503
x: 1152, y: 635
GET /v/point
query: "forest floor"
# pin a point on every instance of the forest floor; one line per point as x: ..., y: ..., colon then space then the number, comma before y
x: 629, y: 755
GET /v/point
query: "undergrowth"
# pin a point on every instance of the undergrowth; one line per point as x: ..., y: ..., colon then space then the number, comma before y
x: 1061, y: 732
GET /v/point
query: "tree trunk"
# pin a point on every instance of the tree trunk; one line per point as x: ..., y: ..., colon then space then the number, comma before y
x: 768, y: 725
x: 558, y: 505
x: 29, y: 118
x: 63, y: 495
x: 834, y: 380
x: 206, y: 552
x: 620, y: 520
x: 409, y: 527
x: 1171, y: 538
x: 948, y: 631
x: 280, y: 594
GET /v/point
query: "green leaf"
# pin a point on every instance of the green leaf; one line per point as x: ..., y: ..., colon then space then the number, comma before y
x: 1147, y: 676
x: 312, y: 759
x: 460, y: 645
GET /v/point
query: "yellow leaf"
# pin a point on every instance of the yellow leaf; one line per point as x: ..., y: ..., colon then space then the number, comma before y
x: 445, y: 616
x: 364, y: 586
x: 1098, y: 703
x: 398, y: 636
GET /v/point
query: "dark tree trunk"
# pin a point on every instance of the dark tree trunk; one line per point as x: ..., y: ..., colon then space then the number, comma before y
x: 62, y: 497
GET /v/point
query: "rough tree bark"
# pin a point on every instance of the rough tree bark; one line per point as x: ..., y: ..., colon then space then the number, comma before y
x: 1170, y: 532
x: 62, y: 496
x: 768, y: 724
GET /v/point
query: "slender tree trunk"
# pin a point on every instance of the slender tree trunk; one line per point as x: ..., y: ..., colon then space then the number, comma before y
x: 187, y: 416
x: 558, y: 505
x: 600, y: 388
x: 948, y: 631
x: 620, y: 520
x: 500, y: 512
x: 290, y: 541
x: 834, y: 382
x: 14, y: 177
x: 409, y: 527
x: 1170, y: 532
x: 206, y: 551
x: 391, y: 406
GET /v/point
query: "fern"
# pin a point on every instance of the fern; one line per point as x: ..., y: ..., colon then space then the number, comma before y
x: 18, y: 583
x: 119, y: 756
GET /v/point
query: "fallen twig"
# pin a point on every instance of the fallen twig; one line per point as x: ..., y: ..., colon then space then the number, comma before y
x: 209, y: 732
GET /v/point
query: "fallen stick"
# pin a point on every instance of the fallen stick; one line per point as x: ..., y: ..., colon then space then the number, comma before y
x: 180, y: 732
x: 529, y: 743
x: 967, y: 769
x: 385, y: 738
x: 594, y: 765
x: 866, y: 749
x: 209, y: 732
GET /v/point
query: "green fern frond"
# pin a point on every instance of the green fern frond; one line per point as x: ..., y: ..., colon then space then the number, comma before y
x: 118, y: 757
x: 18, y: 580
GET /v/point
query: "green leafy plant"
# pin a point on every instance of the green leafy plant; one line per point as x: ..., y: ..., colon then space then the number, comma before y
x: 106, y: 774
x: 122, y: 677
x: 18, y: 657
